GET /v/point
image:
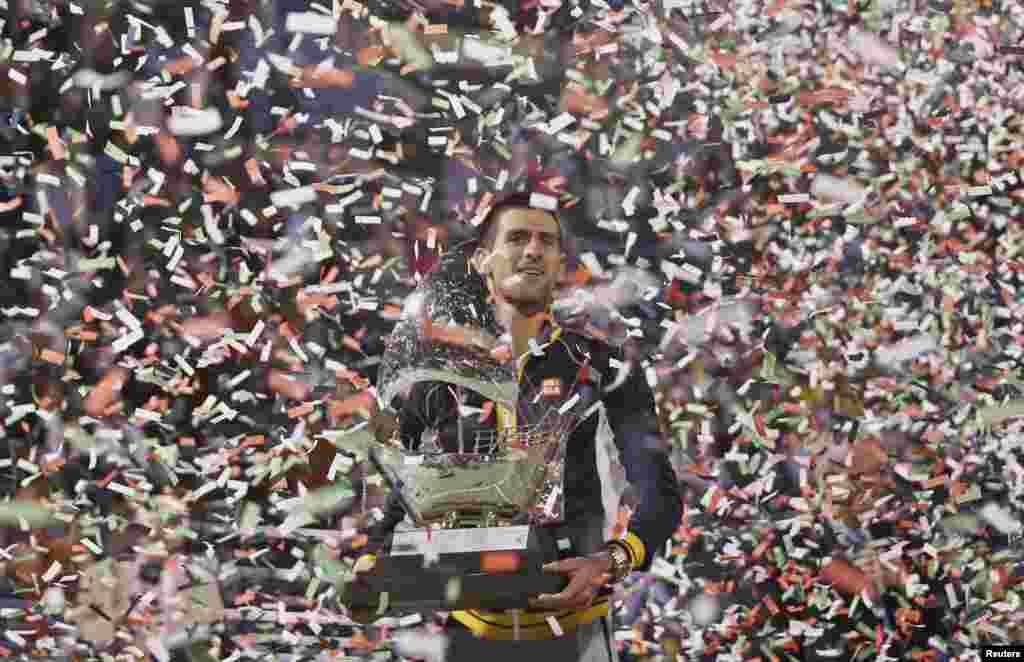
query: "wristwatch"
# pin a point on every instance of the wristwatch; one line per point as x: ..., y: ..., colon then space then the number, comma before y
x: 622, y: 563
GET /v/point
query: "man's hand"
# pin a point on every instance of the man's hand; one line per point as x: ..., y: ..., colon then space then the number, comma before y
x: 587, y: 576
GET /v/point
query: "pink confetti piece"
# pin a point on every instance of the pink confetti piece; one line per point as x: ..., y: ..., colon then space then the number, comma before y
x: 873, y: 49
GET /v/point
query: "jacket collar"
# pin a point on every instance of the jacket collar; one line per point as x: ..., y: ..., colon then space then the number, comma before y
x: 549, y: 333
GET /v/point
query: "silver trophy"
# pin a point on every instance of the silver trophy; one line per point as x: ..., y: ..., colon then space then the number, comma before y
x: 482, y: 482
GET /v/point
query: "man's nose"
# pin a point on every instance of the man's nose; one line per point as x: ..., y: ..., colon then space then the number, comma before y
x: 535, y: 246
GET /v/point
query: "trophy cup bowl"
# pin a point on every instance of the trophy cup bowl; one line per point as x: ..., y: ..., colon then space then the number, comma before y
x: 482, y: 503
x: 480, y: 538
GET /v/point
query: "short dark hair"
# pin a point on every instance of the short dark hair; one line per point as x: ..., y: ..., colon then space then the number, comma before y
x: 485, y: 232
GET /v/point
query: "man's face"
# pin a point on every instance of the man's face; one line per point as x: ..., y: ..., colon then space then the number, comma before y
x: 525, y: 262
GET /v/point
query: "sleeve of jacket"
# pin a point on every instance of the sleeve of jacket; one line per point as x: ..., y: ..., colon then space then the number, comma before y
x: 629, y: 406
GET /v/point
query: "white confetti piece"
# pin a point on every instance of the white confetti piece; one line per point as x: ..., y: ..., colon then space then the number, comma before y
x: 25, y: 465
x: 704, y: 609
x: 122, y: 489
x: 295, y: 197
x: 203, y: 490
x: 297, y: 348
x: 569, y: 404
x: 837, y: 188
x: 310, y: 23
x: 355, y: 196
x: 1000, y: 518
x: 54, y: 599
x: 954, y: 602
x: 192, y: 122
x: 906, y: 350
x: 52, y: 572
x: 127, y: 340
x: 190, y: 22
x: 130, y: 320
x: 254, y: 335
x: 431, y: 647
x: 19, y: 412
x: 235, y: 126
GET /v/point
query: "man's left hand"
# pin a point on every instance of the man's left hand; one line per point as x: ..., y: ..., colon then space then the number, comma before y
x: 586, y: 577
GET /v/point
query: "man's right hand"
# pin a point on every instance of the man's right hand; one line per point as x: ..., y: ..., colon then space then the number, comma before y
x: 365, y: 563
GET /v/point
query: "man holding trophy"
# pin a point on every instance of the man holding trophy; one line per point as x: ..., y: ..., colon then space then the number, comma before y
x: 494, y: 433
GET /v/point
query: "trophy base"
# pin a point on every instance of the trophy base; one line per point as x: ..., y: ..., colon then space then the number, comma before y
x: 487, y: 568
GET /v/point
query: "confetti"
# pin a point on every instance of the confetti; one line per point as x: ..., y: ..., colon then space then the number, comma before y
x: 310, y: 23
x: 192, y: 122
x: 803, y: 233
x: 430, y: 647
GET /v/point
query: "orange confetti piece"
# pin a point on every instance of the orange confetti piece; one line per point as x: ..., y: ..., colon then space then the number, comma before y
x: 50, y: 356
x: 724, y: 59
x: 54, y: 144
x: 153, y: 201
x: 316, y: 76
x: 351, y: 405
x: 252, y: 168
x: 280, y: 382
x: 327, y: 301
x: 500, y: 562
x: 106, y: 392
x: 301, y: 410
x: 845, y: 577
x: 825, y: 95
x: 236, y: 101
x: 210, y: 326
x: 170, y: 150
x: 370, y: 56
x: 225, y: 195
x: 182, y: 65
x: 11, y: 205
